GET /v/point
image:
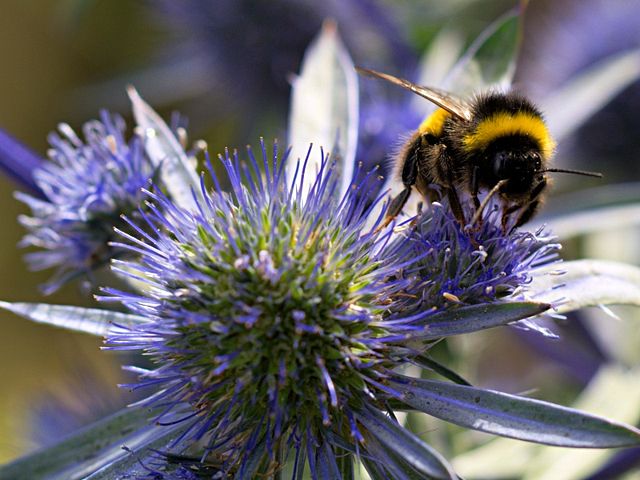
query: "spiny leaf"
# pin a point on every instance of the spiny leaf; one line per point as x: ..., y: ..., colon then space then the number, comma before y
x: 613, y: 391
x: 490, y: 61
x: 569, y: 107
x: 513, y: 416
x: 324, y: 108
x: 405, y: 444
x: 473, y: 318
x: 177, y: 173
x: 586, y: 283
x: 596, y: 209
x: 89, y: 320
x: 85, y: 451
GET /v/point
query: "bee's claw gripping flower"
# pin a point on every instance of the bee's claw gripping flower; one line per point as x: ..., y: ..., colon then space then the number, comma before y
x: 87, y: 185
x: 275, y: 322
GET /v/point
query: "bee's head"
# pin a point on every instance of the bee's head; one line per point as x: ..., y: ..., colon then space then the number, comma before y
x: 517, y: 160
x: 520, y: 167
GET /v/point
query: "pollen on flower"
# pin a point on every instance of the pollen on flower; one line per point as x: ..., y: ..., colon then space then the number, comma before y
x: 265, y: 267
x: 241, y: 262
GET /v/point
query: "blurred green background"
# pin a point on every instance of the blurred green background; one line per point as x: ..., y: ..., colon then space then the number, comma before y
x: 63, y: 60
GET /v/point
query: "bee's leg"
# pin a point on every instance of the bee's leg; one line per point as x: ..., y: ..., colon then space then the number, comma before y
x: 456, y: 207
x: 475, y: 187
x: 397, y: 204
x: 477, y: 217
x: 528, y: 209
x: 506, y: 214
x: 409, y: 178
x: 527, y: 213
x: 445, y: 166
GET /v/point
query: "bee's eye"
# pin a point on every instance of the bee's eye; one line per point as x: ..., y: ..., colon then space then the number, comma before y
x: 534, y: 157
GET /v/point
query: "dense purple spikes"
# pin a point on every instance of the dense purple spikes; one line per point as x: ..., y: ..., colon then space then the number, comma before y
x: 86, y: 186
x: 272, y: 313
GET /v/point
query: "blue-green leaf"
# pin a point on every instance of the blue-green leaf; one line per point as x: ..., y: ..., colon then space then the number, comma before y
x: 614, y: 391
x: 131, y: 464
x: 85, y: 451
x: 586, y: 283
x: 513, y: 416
x: 89, y: 320
x: 345, y: 464
x: 477, y: 317
x: 490, y: 61
x: 383, y: 463
x: 596, y: 220
x: 324, y: 108
x: 592, y: 198
x: 177, y: 173
x: 405, y: 444
x: 252, y: 462
x: 326, y: 462
x: 425, y: 361
x: 598, y: 209
x: 436, y: 64
x: 374, y: 469
x: 439, y: 59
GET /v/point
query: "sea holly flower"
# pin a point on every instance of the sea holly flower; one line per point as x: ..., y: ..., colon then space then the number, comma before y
x: 278, y: 326
x: 473, y: 264
x: 263, y: 317
x: 491, y: 265
x: 87, y: 185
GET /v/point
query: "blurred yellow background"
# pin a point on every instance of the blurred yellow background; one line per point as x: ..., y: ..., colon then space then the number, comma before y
x: 41, y: 62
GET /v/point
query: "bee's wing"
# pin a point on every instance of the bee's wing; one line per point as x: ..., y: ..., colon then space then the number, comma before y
x: 452, y: 104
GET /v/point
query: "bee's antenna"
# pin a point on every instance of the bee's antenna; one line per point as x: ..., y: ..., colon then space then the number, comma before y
x: 575, y: 172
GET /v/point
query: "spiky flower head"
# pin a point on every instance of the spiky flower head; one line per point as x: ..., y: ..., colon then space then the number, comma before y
x: 276, y: 323
x: 87, y: 185
x: 473, y: 264
x: 263, y: 312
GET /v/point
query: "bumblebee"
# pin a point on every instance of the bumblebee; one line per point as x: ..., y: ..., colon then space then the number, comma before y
x: 496, y: 142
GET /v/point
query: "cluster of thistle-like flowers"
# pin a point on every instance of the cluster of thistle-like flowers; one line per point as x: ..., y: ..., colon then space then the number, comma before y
x: 277, y: 314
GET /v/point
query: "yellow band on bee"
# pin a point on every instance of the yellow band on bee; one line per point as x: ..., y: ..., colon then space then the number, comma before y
x: 434, y: 123
x: 505, y: 124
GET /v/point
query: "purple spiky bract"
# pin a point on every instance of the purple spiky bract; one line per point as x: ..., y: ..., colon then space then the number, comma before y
x: 86, y: 186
